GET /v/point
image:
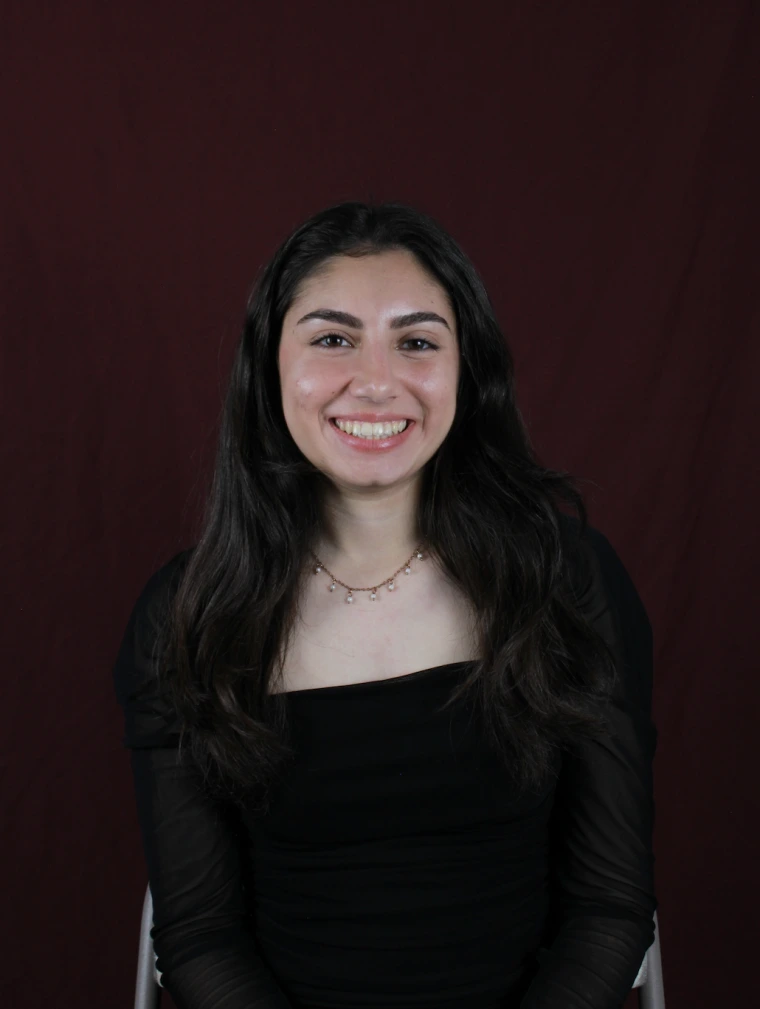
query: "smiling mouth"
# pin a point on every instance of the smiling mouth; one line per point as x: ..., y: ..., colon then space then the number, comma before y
x: 363, y: 429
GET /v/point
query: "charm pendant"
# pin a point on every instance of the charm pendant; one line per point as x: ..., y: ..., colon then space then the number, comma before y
x: 390, y: 583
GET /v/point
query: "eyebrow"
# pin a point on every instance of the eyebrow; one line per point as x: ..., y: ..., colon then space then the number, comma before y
x: 346, y: 319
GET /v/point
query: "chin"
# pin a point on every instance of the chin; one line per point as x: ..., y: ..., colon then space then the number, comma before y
x: 358, y: 481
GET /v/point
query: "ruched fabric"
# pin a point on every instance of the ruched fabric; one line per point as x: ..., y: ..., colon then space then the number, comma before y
x: 396, y: 867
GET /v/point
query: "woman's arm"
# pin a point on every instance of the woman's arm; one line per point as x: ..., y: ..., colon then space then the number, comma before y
x: 193, y: 846
x: 601, y: 860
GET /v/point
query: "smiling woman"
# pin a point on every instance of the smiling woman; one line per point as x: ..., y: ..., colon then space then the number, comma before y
x: 440, y: 795
x: 387, y: 353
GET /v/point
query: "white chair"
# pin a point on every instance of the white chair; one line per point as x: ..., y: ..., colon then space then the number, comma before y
x: 148, y: 989
x: 649, y: 978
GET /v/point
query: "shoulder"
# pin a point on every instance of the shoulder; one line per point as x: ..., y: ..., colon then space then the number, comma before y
x: 595, y: 568
x: 151, y: 606
x: 135, y: 660
x: 605, y: 591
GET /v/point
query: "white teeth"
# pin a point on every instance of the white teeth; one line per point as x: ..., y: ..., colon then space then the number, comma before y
x: 363, y: 429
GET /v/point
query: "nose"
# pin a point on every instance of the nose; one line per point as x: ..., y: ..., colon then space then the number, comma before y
x: 374, y: 377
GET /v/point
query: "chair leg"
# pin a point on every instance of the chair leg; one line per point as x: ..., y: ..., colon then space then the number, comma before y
x: 652, y: 992
x: 147, y: 992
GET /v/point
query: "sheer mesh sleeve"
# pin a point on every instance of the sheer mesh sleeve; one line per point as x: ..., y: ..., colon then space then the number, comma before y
x: 602, y: 865
x: 205, y: 950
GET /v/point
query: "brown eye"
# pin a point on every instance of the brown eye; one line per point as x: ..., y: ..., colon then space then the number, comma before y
x: 419, y: 339
x: 328, y: 336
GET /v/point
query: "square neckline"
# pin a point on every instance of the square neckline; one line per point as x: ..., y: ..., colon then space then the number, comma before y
x: 332, y: 688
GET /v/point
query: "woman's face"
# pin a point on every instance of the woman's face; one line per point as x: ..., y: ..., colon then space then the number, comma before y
x: 367, y: 341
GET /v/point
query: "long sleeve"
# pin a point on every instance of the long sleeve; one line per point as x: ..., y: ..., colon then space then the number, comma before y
x: 205, y: 950
x: 601, y: 860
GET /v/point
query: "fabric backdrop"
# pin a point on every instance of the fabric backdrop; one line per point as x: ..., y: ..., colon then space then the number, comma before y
x: 599, y: 163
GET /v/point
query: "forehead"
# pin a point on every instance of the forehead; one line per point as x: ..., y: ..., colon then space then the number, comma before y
x: 378, y: 279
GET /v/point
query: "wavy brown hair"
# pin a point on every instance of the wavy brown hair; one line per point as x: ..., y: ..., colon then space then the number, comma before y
x: 489, y: 511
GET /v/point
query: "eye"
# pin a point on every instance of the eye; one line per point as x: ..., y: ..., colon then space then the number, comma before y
x: 420, y: 339
x: 328, y: 336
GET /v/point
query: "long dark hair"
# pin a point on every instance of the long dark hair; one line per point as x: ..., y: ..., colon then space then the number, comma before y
x: 488, y: 511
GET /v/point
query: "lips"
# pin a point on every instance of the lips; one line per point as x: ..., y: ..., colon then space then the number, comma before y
x: 371, y: 444
x: 364, y: 429
x: 370, y: 418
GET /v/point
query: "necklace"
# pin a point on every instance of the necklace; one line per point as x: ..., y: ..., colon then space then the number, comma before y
x: 390, y: 583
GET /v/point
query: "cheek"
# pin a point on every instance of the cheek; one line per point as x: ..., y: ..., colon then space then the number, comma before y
x: 308, y: 390
x: 439, y: 388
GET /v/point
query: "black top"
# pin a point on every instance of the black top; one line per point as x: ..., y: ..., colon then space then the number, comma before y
x: 395, y: 868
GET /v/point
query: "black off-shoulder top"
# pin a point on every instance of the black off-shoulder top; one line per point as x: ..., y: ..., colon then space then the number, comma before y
x: 395, y: 867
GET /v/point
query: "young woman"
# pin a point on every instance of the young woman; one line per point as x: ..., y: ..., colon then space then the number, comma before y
x: 389, y: 717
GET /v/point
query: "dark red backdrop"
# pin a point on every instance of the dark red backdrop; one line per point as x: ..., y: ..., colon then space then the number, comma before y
x: 596, y: 160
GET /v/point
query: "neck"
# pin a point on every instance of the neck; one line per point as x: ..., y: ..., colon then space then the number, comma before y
x: 368, y: 536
